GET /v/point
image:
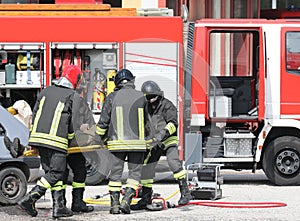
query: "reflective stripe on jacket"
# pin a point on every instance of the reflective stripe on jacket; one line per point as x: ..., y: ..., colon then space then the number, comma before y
x: 122, y: 120
x: 164, y: 116
x: 51, y: 123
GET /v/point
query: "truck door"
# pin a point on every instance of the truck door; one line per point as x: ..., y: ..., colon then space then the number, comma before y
x: 233, y: 74
x: 290, y: 73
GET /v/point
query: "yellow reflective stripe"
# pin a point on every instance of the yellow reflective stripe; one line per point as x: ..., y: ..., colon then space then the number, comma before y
x: 78, y: 185
x: 57, y: 186
x: 131, y: 183
x: 127, y: 142
x: 124, y: 149
x: 180, y: 175
x: 63, y: 187
x: 71, y: 136
x: 141, y: 123
x: 49, y: 137
x: 132, y: 147
x: 126, y: 145
x: 149, y: 185
x: 115, y: 183
x: 114, y: 186
x: 113, y: 189
x: 171, y: 128
x: 100, y: 130
x: 38, y: 114
x: 120, y: 129
x: 31, y: 127
x: 56, y: 118
x: 48, y: 142
x: 147, y: 182
x: 147, y: 158
x: 43, y: 183
x: 173, y: 140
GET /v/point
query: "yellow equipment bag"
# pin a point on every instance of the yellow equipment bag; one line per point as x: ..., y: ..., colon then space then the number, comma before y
x: 22, y: 62
x: 110, y: 81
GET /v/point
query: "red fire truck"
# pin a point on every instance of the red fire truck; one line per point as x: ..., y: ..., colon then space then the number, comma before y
x: 240, y: 95
x: 234, y: 83
x: 35, y: 48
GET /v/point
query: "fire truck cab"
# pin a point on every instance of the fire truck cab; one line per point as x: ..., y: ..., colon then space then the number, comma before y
x: 240, y: 94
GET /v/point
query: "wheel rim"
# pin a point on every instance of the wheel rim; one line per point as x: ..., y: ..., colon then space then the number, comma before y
x: 10, y: 186
x: 287, y: 162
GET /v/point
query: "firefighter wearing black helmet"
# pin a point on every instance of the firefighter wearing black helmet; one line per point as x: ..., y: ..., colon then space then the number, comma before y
x: 51, y: 132
x: 121, y: 125
x: 161, y: 129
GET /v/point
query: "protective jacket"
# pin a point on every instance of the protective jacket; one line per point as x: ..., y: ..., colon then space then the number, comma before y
x: 51, y: 121
x: 162, y: 117
x: 122, y: 120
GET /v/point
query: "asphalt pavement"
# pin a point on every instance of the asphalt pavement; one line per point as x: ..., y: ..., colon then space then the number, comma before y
x: 240, y: 189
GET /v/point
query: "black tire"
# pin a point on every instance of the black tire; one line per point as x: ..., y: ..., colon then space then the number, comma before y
x: 13, y: 185
x: 281, y: 161
x: 97, y: 166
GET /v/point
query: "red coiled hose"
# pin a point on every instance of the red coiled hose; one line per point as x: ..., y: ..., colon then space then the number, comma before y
x: 238, y: 204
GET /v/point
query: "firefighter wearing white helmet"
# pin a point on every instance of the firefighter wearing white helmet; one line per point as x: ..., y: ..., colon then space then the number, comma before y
x: 161, y: 129
x: 122, y: 125
x: 50, y: 133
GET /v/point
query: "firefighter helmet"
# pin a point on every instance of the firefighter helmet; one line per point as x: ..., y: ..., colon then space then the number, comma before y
x: 123, y: 74
x: 73, y: 74
x: 151, y: 89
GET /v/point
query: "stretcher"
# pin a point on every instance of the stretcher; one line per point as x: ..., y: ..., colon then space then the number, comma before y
x: 71, y: 150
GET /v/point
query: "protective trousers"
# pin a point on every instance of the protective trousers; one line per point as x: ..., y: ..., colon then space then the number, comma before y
x: 151, y: 159
x: 135, y: 163
x: 54, y: 164
x: 77, y: 161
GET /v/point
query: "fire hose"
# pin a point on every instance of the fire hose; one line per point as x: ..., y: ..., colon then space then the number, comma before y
x: 101, y: 200
x: 106, y: 201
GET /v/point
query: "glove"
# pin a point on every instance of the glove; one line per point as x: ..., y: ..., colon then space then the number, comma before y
x: 99, y: 140
x: 151, y: 143
x: 160, y: 136
x: 84, y: 127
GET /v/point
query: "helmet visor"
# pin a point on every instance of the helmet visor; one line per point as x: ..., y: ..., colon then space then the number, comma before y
x: 150, y: 96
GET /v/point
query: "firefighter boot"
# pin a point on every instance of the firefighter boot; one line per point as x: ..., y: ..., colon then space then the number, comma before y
x: 185, y: 192
x: 59, y: 209
x: 10, y: 147
x: 64, y: 200
x: 114, y: 202
x: 78, y: 205
x: 145, y: 199
x: 125, y: 203
x: 27, y: 203
x: 19, y: 148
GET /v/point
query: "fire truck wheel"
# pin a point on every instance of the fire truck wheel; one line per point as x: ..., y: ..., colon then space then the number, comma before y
x: 13, y: 185
x: 281, y: 161
x: 97, y: 166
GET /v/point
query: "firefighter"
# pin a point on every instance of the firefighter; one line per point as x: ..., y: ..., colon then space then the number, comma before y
x: 121, y: 125
x: 84, y: 125
x: 50, y: 134
x: 161, y: 131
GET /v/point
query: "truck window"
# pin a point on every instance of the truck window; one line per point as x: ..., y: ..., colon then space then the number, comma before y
x: 232, y: 53
x: 233, y: 61
x: 293, y: 52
